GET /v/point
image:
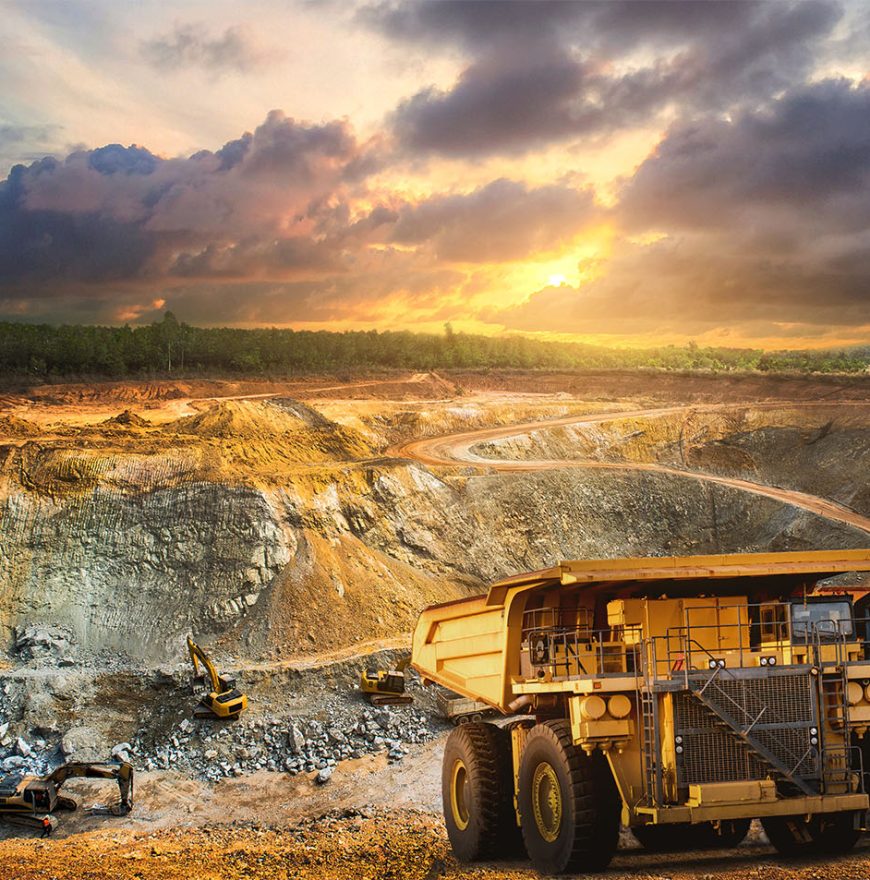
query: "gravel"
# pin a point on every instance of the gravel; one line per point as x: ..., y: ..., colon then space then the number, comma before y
x: 332, y: 727
x: 212, y: 750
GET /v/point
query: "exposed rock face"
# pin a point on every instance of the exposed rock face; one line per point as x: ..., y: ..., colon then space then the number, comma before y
x: 271, y: 530
x: 130, y: 573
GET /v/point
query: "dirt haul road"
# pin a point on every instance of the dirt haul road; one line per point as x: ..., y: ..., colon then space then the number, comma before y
x: 457, y: 449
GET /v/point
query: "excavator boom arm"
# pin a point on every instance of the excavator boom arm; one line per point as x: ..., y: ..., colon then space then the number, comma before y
x: 197, y: 654
x: 122, y: 772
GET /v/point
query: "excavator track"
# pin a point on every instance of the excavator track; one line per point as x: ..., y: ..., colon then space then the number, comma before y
x: 390, y: 699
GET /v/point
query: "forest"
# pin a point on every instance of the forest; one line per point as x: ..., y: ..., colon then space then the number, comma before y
x: 171, y: 347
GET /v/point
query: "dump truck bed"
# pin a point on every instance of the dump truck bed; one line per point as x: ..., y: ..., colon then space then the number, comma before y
x: 472, y: 646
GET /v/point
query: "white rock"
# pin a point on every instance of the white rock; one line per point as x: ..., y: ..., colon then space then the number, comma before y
x: 23, y: 748
x: 121, y: 748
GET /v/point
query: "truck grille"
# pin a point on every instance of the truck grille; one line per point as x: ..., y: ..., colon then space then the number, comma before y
x: 785, y: 708
x: 709, y: 753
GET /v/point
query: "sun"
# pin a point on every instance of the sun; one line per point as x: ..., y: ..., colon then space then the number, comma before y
x: 557, y: 280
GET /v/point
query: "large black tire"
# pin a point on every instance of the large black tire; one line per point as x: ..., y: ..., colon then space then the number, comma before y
x: 682, y: 837
x: 569, y: 804
x: 827, y: 833
x: 474, y: 791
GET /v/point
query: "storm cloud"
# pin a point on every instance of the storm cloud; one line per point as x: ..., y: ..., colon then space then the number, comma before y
x: 531, y: 82
x: 123, y: 213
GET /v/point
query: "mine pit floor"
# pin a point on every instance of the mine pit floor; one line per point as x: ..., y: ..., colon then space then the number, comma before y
x: 363, y: 844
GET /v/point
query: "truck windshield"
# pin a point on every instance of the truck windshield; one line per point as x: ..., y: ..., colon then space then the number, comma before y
x: 828, y: 619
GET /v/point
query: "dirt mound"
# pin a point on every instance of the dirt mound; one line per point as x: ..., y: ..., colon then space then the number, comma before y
x: 284, y: 429
x: 128, y: 418
x: 240, y: 420
x: 351, y: 845
x: 102, y: 392
x: 12, y: 426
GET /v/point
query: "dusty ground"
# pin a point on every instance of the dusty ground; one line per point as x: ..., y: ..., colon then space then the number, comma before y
x: 258, y: 511
x: 363, y: 845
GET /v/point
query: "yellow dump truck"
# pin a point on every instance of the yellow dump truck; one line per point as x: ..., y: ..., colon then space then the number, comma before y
x: 681, y: 696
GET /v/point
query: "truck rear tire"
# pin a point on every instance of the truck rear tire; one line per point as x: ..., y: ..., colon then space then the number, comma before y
x: 682, y: 837
x: 828, y: 833
x: 569, y: 805
x: 475, y: 792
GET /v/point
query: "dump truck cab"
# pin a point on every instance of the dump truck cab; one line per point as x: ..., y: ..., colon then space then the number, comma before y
x: 681, y: 696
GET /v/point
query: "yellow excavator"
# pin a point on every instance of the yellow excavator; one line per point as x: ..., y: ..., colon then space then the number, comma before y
x: 31, y: 800
x: 386, y: 687
x: 224, y: 699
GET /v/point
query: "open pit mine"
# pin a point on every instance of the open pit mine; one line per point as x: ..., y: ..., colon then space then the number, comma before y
x: 296, y: 530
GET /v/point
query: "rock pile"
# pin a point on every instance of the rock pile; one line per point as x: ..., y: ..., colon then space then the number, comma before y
x: 44, y: 643
x: 208, y: 749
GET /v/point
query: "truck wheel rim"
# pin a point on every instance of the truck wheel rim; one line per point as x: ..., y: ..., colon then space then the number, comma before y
x: 459, y: 795
x: 547, y: 801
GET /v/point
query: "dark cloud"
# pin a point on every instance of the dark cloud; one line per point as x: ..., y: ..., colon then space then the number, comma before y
x: 502, y: 221
x: 124, y: 214
x: 808, y: 152
x: 470, y: 23
x: 283, y: 147
x: 504, y: 104
x: 529, y: 85
x: 115, y: 159
x: 610, y: 26
x: 191, y: 45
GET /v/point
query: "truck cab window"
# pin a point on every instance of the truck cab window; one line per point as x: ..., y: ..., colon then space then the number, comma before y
x: 829, y: 620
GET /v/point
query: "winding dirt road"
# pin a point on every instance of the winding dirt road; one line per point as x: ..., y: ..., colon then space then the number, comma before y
x: 457, y: 449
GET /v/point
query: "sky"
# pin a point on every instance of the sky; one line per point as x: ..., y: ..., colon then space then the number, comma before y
x: 618, y: 173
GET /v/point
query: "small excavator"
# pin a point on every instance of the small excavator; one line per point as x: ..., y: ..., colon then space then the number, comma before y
x: 386, y: 687
x: 224, y: 700
x: 31, y: 800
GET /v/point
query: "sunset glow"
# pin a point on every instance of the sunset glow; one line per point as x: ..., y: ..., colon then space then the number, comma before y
x: 620, y: 173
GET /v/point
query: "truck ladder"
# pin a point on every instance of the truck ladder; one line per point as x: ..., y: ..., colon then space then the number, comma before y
x: 649, y: 710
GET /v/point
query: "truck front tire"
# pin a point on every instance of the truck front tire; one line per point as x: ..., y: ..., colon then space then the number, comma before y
x: 477, y: 792
x: 569, y: 805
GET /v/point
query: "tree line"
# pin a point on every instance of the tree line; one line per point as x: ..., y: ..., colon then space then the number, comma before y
x: 171, y: 347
